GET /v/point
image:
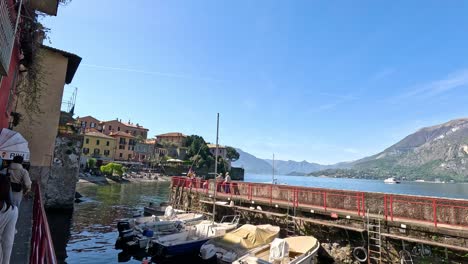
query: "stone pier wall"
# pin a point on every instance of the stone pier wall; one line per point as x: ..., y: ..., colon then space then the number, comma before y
x: 61, y: 182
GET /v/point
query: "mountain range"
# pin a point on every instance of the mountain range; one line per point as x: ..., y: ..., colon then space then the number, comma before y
x: 436, y: 152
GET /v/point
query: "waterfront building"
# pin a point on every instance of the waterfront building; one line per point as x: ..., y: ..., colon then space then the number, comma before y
x: 221, y: 150
x: 16, y: 49
x: 40, y: 128
x: 88, y: 122
x: 125, y: 146
x: 117, y: 125
x: 99, y: 146
x: 175, y: 138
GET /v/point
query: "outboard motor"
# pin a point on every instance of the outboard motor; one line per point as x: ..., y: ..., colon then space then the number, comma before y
x: 123, y: 225
x: 124, y: 237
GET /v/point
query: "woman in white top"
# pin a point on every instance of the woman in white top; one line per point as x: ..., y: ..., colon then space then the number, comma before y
x: 8, y: 217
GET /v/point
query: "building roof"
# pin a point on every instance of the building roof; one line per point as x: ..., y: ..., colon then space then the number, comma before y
x: 88, y: 116
x: 73, y: 62
x: 97, y: 134
x: 214, y: 146
x: 121, y: 134
x: 172, y: 134
x: 127, y: 124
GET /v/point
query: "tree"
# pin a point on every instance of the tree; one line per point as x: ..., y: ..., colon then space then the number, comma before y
x: 232, y: 154
x: 140, y: 139
x: 198, y: 152
x: 91, y: 163
x: 112, y: 168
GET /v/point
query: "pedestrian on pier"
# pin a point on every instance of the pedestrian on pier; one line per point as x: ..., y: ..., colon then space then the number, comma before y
x: 19, y: 178
x: 8, y: 218
x: 227, y: 183
x: 218, y: 182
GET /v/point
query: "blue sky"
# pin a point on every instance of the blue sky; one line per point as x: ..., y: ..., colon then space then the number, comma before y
x: 322, y: 81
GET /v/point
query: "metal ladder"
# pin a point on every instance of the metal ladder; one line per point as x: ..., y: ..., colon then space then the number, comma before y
x: 290, y: 223
x: 405, y: 255
x: 374, y: 241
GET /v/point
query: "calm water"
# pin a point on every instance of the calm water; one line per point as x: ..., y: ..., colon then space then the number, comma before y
x: 88, y: 235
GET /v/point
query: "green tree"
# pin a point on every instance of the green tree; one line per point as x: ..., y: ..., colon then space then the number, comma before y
x: 198, y: 152
x: 232, y: 154
x: 112, y: 168
x: 91, y: 163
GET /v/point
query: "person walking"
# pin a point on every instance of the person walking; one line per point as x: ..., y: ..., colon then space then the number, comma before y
x: 20, y: 181
x: 8, y: 218
x: 227, y: 183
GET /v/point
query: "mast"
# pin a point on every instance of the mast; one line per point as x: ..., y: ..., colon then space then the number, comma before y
x: 216, y: 166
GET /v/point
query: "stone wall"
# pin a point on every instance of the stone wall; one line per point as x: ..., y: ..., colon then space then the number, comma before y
x: 61, y: 183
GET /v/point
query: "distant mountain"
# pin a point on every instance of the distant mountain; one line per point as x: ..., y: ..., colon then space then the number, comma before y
x: 439, y: 151
x: 287, y: 167
x: 252, y: 164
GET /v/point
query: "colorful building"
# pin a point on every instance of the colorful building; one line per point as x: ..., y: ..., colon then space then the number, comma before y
x: 175, y: 138
x: 117, y: 125
x: 125, y: 146
x: 89, y: 123
x: 99, y: 146
x: 16, y: 47
x: 221, y: 150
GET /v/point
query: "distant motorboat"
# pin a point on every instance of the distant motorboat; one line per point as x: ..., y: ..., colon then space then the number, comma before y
x: 391, y: 180
x: 420, y: 181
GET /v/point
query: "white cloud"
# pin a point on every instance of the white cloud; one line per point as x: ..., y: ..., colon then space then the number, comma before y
x: 453, y: 81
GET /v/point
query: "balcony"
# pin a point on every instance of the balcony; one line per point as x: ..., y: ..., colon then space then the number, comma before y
x: 6, y: 37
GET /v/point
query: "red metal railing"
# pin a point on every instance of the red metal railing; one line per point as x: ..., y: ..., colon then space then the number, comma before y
x: 403, y: 208
x: 42, y: 248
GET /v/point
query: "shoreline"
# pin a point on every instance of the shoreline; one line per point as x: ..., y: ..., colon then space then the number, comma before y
x: 101, y: 180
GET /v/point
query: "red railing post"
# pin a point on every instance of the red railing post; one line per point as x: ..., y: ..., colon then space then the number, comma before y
x: 391, y: 207
x: 434, y: 208
x: 325, y: 201
x: 363, y: 201
x: 385, y: 207
x: 250, y: 191
x: 358, y: 204
x: 271, y: 193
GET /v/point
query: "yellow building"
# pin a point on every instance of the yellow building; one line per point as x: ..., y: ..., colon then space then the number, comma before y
x: 99, y: 146
x: 125, y: 146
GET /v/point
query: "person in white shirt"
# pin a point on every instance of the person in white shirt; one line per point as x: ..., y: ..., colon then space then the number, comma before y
x: 227, y: 183
x: 19, y: 178
x: 8, y: 218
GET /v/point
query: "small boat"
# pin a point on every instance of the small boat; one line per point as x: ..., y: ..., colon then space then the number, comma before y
x: 158, y: 210
x: 137, y: 232
x: 231, y: 246
x: 190, y: 240
x: 391, y: 180
x: 291, y: 250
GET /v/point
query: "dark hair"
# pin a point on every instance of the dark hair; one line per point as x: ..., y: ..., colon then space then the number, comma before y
x: 18, y: 159
x: 5, y: 191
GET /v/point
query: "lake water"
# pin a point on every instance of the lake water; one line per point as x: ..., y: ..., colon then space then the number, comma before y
x: 88, y: 235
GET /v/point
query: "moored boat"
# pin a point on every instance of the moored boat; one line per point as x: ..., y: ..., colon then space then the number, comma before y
x: 235, y: 244
x: 391, y: 180
x: 291, y: 250
x: 190, y: 240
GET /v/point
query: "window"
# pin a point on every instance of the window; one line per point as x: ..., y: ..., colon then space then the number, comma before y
x: 85, y: 150
x: 83, y: 124
x: 97, y: 142
x: 118, y: 128
x: 107, y: 143
x: 120, y: 155
x: 93, y: 125
x: 106, y: 152
x: 134, y: 133
x: 143, y: 157
x: 122, y: 141
x: 87, y: 141
x: 121, y: 146
x: 110, y: 128
x: 96, y: 151
x: 126, y: 131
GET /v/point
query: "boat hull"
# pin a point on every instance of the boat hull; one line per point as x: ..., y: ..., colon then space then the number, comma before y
x: 190, y: 247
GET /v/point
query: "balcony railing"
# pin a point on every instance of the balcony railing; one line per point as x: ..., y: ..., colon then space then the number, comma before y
x: 7, y: 34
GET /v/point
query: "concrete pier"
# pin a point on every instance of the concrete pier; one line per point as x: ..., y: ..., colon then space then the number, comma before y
x: 339, y: 218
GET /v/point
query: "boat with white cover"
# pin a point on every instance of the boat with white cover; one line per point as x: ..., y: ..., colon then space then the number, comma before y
x: 290, y: 250
x: 235, y: 244
x: 190, y: 240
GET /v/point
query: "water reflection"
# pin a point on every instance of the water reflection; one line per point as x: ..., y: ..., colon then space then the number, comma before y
x: 92, y: 233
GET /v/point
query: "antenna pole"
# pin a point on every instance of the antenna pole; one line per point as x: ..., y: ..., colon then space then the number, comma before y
x: 216, y: 167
